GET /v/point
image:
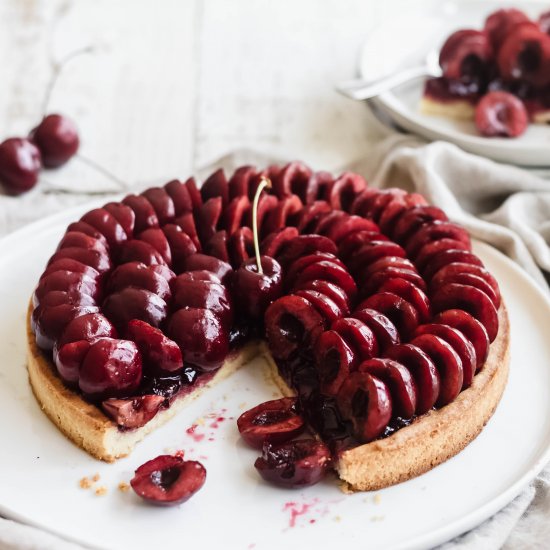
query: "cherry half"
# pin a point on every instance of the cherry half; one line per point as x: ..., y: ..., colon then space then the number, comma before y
x: 57, y: 138
x: 168, y: 480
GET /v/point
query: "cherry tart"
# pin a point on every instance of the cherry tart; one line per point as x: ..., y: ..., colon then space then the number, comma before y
x: 498, y: 75
x: 381, y: 325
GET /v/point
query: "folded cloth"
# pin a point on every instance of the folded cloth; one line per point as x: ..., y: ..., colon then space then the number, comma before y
x: 502, y: 205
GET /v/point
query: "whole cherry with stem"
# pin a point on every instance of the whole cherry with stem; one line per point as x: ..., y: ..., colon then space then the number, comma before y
x: 259, y: 280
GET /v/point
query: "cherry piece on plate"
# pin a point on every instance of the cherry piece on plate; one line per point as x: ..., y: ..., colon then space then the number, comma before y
x: 132, y: 412
x: 57, y: 138
x: 448, y: 364
x: 111, y: 368
x: 20, y: 162
x: 500, y: 23
x: 424, y: 372
x: 399, y: 381
x: 202, y: 338
x: 254, y: 291
x: 335, y: 359
x: 501, y: 114
x: 168, y: 480
x: 472, y: 329
x: 274, y: 421
x: 525, y: 55
x: 291, y: 323
x: 295, y: 464
x: 365, y: 401
x: 465, y: 55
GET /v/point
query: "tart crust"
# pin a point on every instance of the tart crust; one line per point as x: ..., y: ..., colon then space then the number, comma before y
x: 85, y: 424
x: 432, y: 438
x: 428, y: 441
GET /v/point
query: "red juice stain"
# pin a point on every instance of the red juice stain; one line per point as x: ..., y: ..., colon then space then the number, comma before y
x: 191, y: 432
x: 297, y: 510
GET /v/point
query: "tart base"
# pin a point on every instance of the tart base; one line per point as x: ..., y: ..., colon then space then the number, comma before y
x: 432, y: 438
x: 85, y: 424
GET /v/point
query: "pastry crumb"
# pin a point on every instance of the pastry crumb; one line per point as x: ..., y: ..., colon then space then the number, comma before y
x: 337, y: 519
x: 377, y: 498
x: 200, y: 422
x: 242, y: 405
x: 377, y: 518
x: 85, y: 483
x: 123, y: 486
x: 96, y: 478
x: 100, y: 491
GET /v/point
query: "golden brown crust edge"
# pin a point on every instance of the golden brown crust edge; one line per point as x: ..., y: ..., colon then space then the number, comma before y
x: 432, y: 438
x: 84, y: 423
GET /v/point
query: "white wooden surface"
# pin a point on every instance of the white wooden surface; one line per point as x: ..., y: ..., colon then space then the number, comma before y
x: 173, y: 84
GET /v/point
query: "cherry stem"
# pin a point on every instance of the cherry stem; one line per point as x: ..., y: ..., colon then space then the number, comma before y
x: 107, y: 173
x: 264, y: 183
x: 57, y: 67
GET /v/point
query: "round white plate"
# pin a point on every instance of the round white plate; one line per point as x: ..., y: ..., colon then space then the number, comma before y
x: 422, y: 32
x: 40, y: 469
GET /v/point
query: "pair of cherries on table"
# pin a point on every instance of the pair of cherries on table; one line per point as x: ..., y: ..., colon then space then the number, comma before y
x: 51, y: 144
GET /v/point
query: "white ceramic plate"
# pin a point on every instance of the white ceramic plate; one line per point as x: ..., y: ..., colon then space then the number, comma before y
x: 40, y: 469
x: 406, y: 41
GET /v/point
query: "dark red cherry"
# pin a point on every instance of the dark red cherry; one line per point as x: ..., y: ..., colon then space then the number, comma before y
x: 353, y: 241
x: 432, y: 248
x: 310, y: 215
x: 291, y: 323
x: 208, y: 218
x: 297, y: 266
x: 465, y: 54
x: 283, y: 215
x: 413, y: 219
x: 162, y: 203
x: 83, y: 227
x: 401, y: 312
x: 332, y: 291
x: 81, y: 240
x: 97, y: 260
x: 525, y: 55
x: 271, y: 422
x: 424, y: 372
x: 180, y: 196
x: 295, y: 464
x: 240, y: 181
x: 111, y: 368
x: 448, y: 364
x: 145, y: 215
x: 544, y: 22
x: 365, y: 401
x: 132, y: 412
x: 194, y: 193
x: 134, y: 303
x: 384, y: 330
x: 240, y: 246
x: 157, y: 239
x: 471, y: 328
x: 181, y: 245
x: 291, y: 179
x: 501, y: 114
x: 168, y: 480
x: 350, y: 225
x: 58, y: 297
x: 318, y: 186
x: 135, y: 250
x: 328, y: 270
x: 68, y: 282
x: 470, y: 299
x: 87, y: 327
x: 274, y: 242
x: 254, y: 291
x: 399, y: 381
x: 217, y: 246
x: 234, y: 214
x: 202, y: 338
x: 459, y: 343
x: 358, y: 336
x: 303, y: 245
x: 335, y: 359
x: 161, y: 356
x: 328, y: 309
x: 20, y: 162
x: 198, y: 261
x: 138, y: 275
x: 500, y: 23
x: 434, y: 231
x: 410, y: 292
x: 57, y: 138
x: 69, y: 358
x: 124, y: 215
x: 441, y: 259
x: 344, y: 190
x: 215, y: 185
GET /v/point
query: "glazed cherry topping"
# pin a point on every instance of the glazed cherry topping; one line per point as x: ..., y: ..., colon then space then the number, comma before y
x: 501, y: 114
x: 20, y: 162
x: 57, y: 138
x: 271, y: 422
x: 168, y: 480
x: 296, y: 464
x: 255, y: 291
